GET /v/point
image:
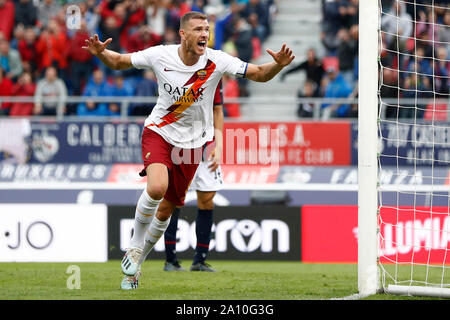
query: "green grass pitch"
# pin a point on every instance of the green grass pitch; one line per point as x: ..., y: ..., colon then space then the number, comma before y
x: 235, y: 280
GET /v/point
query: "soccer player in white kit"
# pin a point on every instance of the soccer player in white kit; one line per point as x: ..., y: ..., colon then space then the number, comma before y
x: 180, y: 123
x: 207, y: 181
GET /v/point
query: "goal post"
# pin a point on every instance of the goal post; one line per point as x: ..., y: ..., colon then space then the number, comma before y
x: 368, y: 279
x: 404, y: 124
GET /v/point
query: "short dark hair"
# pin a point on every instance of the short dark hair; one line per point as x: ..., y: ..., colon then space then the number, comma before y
x: 191, y: 15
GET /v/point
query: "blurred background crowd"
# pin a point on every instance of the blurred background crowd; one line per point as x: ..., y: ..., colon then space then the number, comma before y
x: 414, y: 64
x: 41, y: 57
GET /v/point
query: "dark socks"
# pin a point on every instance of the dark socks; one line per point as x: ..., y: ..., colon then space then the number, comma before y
x: 170, y: 237
x: 203, y: 231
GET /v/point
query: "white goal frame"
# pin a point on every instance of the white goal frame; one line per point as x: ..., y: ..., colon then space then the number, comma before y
x: 368, y: 274
x: 369, y: 281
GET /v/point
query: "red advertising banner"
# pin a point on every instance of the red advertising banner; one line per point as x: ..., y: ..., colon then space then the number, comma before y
x: 249, y: 174
x: 329, y: 234
x: 297, y: 143
x: 419, y: 235
x: 128, y: 173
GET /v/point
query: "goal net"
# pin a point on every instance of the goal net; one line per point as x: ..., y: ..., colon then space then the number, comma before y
x: 413, y: 133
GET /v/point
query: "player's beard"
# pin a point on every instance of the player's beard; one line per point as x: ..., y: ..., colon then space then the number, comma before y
x: 193, y: 48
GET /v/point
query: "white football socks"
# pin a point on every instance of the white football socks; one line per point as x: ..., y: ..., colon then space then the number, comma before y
x: 153, y: 234
x: 145, y: 211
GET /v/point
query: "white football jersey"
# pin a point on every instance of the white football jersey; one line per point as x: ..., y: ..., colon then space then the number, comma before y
x: 183, y: 114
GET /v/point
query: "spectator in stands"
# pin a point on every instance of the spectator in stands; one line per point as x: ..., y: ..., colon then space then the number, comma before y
x: 312, y: 66
x: 221, y: 20
x: 426, y: 32
x: 442, y: 71
x: 42, y: 40
x: 330, y: 42
x: 10, y: 60
x: 176, y: 9
x: 6, y: 89
x: 346, y: 53
x: 229, y: 27
x: 243, y: 41
x: 354, y: 34
x: 97, y: 87
x: 147, y: 87
x: 349, y: 13
x: 216, y: 25
x: 27, y: 50
x: 198, y: 5
x: 386, y: 58
x: 389, y: 90
x: 18, y: 34
x: 334, y: 15
x: 230, y: 87
x: 25, y: 13
x: 156, y: 17
x: 332, y: 21
x: 52, y: 48
x: 116, y: 20
x: 89, y: 11
x: 142, y: 39
x: 170, y: 37
x: 443, y: 31
x: 80, y: 60
x: 257, y: 34
x: 397, y: 21
x: 134, y: 14
x: 337, y: 87
x: 126, y: 15
x: 47, y: 9
x: 50, y: 95
x: 414, y: 87
x: 25, y: 87
x: 306, y: 110
x: 6, y: 18
x: 418, y: 63
x: 110, y: 28
x: 120, y: 88
x: 257, y: 14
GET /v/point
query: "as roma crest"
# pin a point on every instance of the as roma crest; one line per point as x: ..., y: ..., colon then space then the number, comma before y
x: 201, y: 74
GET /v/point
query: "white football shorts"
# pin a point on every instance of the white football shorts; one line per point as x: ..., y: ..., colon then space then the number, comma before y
x: 205, y: 179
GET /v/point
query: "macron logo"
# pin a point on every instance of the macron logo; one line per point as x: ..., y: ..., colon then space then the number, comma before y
x: 167, y: 70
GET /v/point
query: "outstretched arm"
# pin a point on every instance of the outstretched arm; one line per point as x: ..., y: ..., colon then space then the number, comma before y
x: 266, y: 71
x: 112, y: 59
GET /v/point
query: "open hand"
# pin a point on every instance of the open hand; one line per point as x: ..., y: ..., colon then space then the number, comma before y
x: 282, y: 57
x: 95, y: 46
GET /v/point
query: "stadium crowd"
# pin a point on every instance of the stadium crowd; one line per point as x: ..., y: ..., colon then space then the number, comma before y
x: 335, y: 75
x: 40, y: 57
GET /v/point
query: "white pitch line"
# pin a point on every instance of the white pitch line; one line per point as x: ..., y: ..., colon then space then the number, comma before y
x: 355, y: 296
